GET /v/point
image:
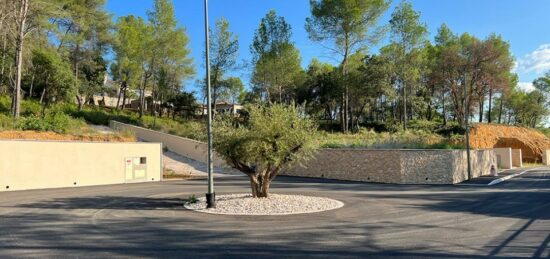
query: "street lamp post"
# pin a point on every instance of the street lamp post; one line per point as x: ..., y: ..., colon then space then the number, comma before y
x: 467, y: 127
x: 211, y: 195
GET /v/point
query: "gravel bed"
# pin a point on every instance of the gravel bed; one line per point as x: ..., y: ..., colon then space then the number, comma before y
x: 275, y: 204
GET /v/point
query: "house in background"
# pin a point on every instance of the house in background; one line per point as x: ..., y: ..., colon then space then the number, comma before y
x: 224, y: 108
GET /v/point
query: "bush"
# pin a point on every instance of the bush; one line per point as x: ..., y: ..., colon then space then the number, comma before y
x: 452, y: 128
x: 430, y: 126
x: 55, y: 120
x: 32, y: 123
x: 6, y: 122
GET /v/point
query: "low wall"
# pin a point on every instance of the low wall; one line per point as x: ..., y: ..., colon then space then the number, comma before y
x: 504, y: 157
x: 517, y: 159
x: 546, y: 157
x: 52, y: 164
x: 404, y: 166
x: 190, y: 148
x: 396, y: 166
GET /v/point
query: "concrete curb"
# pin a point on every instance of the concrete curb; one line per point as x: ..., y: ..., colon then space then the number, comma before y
x: 499, y: 180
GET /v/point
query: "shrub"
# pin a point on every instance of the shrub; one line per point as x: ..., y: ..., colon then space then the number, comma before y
x: 54, y: 120
x: 32, y: 123
x: 273, y: 137
x: 430, y: 126
x: 6, y: 122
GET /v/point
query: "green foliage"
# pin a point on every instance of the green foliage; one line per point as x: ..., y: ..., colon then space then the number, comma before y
x: 527, y: 108
x: 6, y: 122
x: 271, y: 138
x: 54, y: 120
x: 53, y: 75
x: 183, y: 104
x: 276, y: 60
x: 192, y: 199
x: 348, y: 23
x: 410, y: 139
x: 184, y: 128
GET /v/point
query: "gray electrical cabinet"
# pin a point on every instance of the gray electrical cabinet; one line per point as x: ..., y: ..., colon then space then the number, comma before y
x: 136, y: 168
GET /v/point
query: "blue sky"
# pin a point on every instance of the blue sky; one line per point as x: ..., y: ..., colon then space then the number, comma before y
x: 524, y: 23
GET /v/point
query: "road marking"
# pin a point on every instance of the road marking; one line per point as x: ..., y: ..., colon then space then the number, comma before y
x: 499, y: 180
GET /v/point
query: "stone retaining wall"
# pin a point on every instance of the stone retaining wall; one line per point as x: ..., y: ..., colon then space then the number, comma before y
x: 396, y: 166
x: 406, y: 166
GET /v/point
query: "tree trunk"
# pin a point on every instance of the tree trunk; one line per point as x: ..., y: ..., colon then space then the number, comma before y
x: 260, y: 184
x: 124, y: 98
x: 404, y: 106
x: 32, y: 85
x: 489, y: 116
x: 500, y: 109
x: 342, y: 120
x: 345, y: 94
x: 21, y: 19
x: 121, y: 89
x: 43, y: 95
x: 2, y: 68
x: 443, y: 106
x: 142, y: 95
x: 80, y: 102
x: 154, y: 97
x: 481, y: 102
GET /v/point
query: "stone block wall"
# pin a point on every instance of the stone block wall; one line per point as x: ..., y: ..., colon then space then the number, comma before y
x: 380, y: 166
x: 426, y: 166
x: 396, y: 166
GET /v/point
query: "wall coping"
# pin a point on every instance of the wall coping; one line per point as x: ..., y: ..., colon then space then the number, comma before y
x: 403, y: 149
x: 77, y: 141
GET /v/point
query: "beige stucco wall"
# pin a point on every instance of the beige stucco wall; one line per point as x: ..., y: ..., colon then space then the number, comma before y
x: 517, y: 160
x: 504, y: 157
x: 546, y: 157
x: 396, y: 166
x: 51, y: 164
x: 190, y: 148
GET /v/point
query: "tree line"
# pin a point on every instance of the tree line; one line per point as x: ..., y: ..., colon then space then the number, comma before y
x: 57, y: 50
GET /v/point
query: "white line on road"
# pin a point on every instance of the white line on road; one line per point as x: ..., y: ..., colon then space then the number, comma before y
x: 499, y: 180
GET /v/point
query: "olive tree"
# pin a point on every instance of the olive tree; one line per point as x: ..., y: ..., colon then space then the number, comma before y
x: 269, y: 139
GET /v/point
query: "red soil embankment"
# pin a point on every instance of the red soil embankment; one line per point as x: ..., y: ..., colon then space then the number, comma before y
x: 531, y: 142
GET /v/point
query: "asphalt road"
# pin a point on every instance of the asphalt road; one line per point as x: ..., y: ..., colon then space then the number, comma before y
x: 471, y: 220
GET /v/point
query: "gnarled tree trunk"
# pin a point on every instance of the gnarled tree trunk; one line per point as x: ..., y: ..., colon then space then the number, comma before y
x: 260, y: 184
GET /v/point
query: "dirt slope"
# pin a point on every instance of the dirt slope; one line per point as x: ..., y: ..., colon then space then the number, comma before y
x: 531, y: 142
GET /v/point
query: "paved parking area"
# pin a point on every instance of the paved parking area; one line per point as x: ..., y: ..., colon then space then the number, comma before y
x: 147, y: 220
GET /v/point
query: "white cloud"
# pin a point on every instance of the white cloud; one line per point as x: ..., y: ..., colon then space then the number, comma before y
x: 537, y: 61
x: 526, y: 86
x: 515, y: 67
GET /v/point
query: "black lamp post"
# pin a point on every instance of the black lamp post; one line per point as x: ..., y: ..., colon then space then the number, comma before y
x: 467, y: 127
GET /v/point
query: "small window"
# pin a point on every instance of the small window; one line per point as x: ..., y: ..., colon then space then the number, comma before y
x: 143, y: 160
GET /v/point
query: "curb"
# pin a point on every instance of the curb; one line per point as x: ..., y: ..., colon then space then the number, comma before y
x: 499, y: 180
